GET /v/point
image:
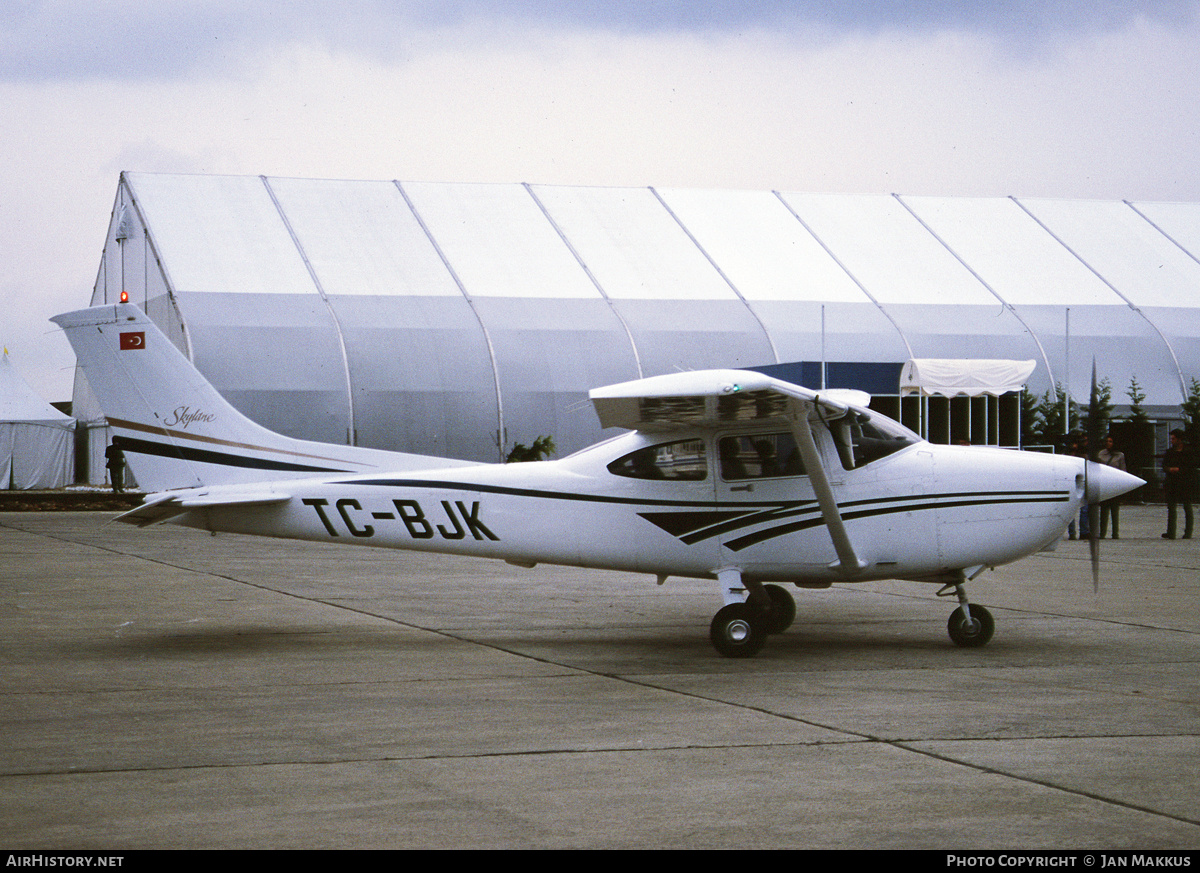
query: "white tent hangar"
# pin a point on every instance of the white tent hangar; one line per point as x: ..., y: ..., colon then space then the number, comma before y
x: 37, y: 442
x: 457, y: 319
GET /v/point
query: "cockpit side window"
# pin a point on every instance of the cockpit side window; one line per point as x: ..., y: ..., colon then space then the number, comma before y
x: 684, y: 460
x: 861, y: 438
x: 759, y: 456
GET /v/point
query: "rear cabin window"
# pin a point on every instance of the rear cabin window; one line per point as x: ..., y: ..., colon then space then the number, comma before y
x: 685, y: 460
x: 759, y: 456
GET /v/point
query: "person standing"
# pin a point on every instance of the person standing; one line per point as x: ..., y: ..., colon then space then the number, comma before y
x: 114, y: 459
x: 1179, y: 480
x: 1077, y: 447
x: 1110, y: 457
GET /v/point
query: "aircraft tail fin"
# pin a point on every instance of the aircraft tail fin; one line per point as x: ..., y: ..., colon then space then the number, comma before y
x: 175, y: 428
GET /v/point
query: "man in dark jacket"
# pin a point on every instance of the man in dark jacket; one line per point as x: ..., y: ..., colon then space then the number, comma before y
x: 1179, y: 482
x: 1110, y: 457
x: 114, y: 459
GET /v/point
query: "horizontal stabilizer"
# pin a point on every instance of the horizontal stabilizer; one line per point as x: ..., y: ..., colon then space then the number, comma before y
x: 163, y: 507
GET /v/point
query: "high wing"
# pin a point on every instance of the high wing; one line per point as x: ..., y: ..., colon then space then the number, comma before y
x: 713, y: 398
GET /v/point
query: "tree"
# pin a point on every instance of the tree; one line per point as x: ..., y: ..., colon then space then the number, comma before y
x: 1097, y: 419
x: 1191, y: 413
x: 1136, y: 398
x: 1031, y: 423
x: 542, y: 448
x: 1135, y: 435
x: 1052, y: 431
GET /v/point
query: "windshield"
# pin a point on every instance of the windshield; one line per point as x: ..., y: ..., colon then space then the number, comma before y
x: 862, y: 437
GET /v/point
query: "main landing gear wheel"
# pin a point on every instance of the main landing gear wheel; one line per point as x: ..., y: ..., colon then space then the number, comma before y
x: 783, y: 609
x: 738, y: 631
x: 973, y: 632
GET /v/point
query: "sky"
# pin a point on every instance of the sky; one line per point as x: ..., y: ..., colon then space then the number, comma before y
x: 1080, y: 99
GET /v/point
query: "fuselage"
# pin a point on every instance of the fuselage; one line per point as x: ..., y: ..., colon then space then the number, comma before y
x: 693, y: 503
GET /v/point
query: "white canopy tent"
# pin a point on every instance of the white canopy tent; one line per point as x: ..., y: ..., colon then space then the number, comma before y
x: 37, y: 446
x: 976, y: 387
x: 957, y: 377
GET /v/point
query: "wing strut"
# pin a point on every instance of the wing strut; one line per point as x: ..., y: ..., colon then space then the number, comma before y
x: 848, y: 561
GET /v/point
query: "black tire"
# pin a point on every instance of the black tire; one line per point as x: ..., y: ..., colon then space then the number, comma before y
x: 738, y: 631
x: 783, y: 609
x: 974, y: 633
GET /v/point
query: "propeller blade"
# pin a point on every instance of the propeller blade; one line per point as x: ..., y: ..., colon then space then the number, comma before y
x: 1093, y: 511
x: 1092, y: 432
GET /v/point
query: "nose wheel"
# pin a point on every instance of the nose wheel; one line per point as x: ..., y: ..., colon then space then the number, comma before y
x: 970, y: 626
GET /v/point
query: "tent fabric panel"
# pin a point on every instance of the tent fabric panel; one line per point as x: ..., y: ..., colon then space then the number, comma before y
x: 1179, y: 221
x: 129, y: 260
x: 1181, y: 326
x: 220, y: 234
x: 275, y: 357
x: 37, y: 442
x: 632, y: 245
x: 963, y: 331
x: 36, y: 456
x: 1119, y: 244
x: 361, y: 238
x: 766, y: 253
x: 1123, y: 344
x: 422, y: 375
x: 20, y: 403
x: 548, y: 354
x: 96, y: 439
x: 927, y: 323
x: 674, y: 335
x: 1012, y: 253
x: 853, y: 331
x: 888, y: 251
x: 498, y: 241
x: 41, y: 457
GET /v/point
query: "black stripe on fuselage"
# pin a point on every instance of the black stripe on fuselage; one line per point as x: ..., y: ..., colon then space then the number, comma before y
x: 441, y: 485
x: 712, y: 503
x: 131, y: 445
x: 889, y: 508
x: 696, y: 526
x: 717, y: 517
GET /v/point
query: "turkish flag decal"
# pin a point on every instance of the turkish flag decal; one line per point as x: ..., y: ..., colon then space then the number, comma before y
x: 133, y: 340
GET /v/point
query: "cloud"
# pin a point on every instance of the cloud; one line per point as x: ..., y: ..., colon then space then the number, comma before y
x: 55, y: 40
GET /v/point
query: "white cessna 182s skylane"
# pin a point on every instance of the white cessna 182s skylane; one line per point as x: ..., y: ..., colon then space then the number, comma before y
x: 726, y: 474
